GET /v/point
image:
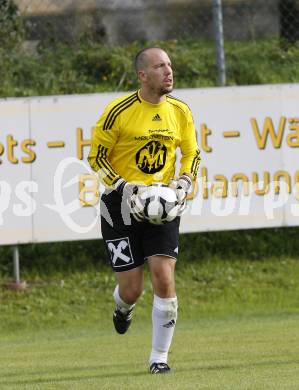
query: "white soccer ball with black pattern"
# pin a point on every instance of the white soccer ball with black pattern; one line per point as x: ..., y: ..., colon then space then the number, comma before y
x: 159, y: 203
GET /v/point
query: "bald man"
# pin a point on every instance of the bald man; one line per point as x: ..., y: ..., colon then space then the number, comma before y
x: 134, y: 145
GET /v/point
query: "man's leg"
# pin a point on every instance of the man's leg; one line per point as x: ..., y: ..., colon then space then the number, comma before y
x: 130, y: 284
x: 164, y: 312
x: 128, y: 289
x: 126, y: 256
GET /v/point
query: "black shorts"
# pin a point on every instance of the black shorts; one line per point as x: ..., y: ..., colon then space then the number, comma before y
x: 129, y: 243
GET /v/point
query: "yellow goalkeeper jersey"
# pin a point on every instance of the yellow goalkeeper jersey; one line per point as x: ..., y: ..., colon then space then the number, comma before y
x: 137, y: 140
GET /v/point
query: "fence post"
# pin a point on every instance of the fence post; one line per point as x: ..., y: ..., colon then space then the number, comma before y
x: 16, y: 264
x: 17, y: 284
x: 219, y: 42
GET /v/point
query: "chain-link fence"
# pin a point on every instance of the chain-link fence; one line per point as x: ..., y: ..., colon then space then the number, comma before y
x: 119, y: 21
x: 261, y: 37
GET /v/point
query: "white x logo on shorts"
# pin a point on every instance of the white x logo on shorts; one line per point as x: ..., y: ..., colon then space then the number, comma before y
x: 117, y: 251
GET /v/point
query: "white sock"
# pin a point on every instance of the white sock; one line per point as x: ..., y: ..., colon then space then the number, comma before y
x: 164, y: 316
x: 122, y: 305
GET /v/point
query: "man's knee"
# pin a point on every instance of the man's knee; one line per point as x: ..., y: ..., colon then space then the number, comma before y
x: 130, y: 284
x: 130, y: 292
x: 163, y: 280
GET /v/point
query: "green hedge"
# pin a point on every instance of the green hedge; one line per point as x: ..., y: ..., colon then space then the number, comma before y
x: 57, y: 68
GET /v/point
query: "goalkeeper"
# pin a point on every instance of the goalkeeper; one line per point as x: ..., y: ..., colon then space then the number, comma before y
x: 133, y: 145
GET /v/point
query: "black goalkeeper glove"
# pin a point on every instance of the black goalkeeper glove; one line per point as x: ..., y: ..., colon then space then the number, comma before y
x: 131, y: 193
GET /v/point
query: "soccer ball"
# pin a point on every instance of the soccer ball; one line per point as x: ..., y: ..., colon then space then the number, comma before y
x: 159, y: 204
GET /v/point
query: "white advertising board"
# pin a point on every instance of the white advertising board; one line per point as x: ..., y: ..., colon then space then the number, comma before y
x: 249, y: 175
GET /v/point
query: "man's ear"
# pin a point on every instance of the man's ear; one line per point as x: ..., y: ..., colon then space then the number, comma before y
x: 142, y: 75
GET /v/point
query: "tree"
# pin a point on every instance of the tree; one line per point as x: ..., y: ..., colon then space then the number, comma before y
x: 11, y: 25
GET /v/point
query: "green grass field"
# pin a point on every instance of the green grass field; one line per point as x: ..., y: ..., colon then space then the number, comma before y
x: 237, y: 329
x: 252, y: 353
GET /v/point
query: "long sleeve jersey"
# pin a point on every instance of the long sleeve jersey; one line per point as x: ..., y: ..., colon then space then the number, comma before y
x: 137, y: 140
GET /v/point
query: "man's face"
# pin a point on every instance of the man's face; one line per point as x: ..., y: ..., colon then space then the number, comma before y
x: 158, y: 73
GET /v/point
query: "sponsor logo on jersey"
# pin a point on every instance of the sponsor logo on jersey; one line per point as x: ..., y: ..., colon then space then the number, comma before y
x: 155, y: 136
x: 120, y: 252
x: 160, y: 131
x: 152, y: 157
x: 156, y: 118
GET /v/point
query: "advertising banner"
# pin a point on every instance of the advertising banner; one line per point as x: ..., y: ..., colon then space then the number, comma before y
x: 248, y: 178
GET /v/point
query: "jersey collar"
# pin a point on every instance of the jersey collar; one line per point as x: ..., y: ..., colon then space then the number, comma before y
x: 154, y: 105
